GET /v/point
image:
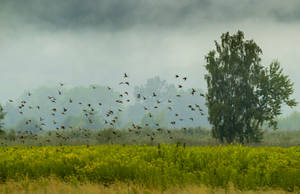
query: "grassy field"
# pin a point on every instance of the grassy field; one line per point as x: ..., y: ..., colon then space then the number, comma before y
x: 156, y: 167
x: 53, y: 186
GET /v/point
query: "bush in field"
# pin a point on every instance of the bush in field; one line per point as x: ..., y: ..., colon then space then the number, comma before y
x: 242, y: 93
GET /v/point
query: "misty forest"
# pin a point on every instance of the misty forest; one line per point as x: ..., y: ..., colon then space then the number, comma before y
x: 149, y: 97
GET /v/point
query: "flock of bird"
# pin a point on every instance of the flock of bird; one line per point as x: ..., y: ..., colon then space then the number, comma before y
x: 111, y: 117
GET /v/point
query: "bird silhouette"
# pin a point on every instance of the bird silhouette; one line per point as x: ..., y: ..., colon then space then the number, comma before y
x: 193, y: 91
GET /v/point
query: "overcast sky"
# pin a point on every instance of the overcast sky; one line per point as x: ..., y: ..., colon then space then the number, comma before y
x: 78, y: 42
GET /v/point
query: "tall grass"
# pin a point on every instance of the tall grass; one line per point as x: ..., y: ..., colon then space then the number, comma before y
x: 157, y: 166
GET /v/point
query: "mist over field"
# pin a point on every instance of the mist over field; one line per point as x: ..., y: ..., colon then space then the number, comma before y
x: 75, y: 107
x: 149, y: 96
x: 94, y: 42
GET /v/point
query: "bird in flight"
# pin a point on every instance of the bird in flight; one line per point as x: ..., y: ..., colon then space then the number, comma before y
x: 193, y: 91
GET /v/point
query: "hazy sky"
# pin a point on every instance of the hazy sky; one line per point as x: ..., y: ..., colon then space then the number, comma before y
x: 43, y: 42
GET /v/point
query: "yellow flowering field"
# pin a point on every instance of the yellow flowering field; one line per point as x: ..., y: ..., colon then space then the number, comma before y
x: 161, y: 166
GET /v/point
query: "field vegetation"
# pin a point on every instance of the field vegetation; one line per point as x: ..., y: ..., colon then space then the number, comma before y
x: 156, y: 167
x: 190, y: 137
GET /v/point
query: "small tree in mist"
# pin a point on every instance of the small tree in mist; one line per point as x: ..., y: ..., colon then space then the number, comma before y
x: 242, y: 93
x: 2, y: 115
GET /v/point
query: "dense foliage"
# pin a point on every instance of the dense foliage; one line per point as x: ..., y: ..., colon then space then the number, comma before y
x: 160, y: 166
x: 242, y: 93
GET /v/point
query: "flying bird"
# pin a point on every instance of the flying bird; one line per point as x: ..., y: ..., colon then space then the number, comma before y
x: 193, y: 91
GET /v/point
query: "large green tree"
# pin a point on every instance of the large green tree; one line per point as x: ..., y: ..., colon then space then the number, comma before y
x: 242, y: 93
